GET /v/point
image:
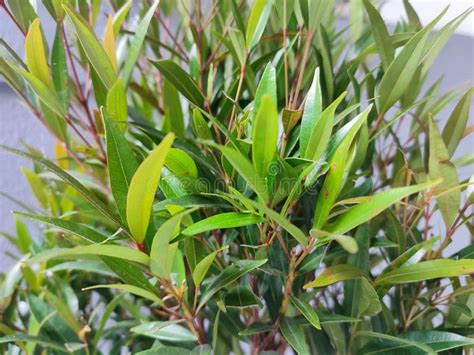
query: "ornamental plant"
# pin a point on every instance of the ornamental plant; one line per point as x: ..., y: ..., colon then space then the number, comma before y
x: 237, y: 177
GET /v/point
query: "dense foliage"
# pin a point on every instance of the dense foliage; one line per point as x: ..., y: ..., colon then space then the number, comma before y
x: 236, y: 177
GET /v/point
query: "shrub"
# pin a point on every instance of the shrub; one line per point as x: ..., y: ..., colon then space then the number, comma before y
x: 237, y: 176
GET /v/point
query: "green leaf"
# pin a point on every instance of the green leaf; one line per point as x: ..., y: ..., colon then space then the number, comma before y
x: 438, y: 340
x: 228, y: 276
x: 37, y: 187
x: 22, y: 338
x: 241, y: 297
x: 336, y: 273
x: 202, y: 268
x: 117, y: 105
x: 312, y: 112
x: 222, y: 221
x: 349, y: 244
x: 168, y: 331
x: 121, y: 164
x: 133, y: 51
x: 339, y: 161
x: 173, y: 112
x: 23, y: 12
x: 402, y: 69
x: 454, y: 130
x: 161, y: 255
x: 439, y: 167
x: 381, y: 35
x: 180, y: 163
x: 307, y: 311
x: 266, y: 86
x: 257, y: 22
x: 375, y: 205
x: 130, y: 289
x: 383, y: 343
x: 67, y: 178
x: 35, y: 54
x: 427, y: 270
x: 321, y: 130
x: 201, y: 129
x: 93, y: 49
x: 294, y: 335
x: 59, y: 69
x: 143, y: 186
x: 265, y: 136
x: 181, y: 81
x: 23, y: 236
x: 116, y: 251
x: 245, y: 168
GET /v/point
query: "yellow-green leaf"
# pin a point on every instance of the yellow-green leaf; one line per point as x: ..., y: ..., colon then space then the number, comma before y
x: 333, y: 274
x: 117, y: 105
x: 109, y: 42
x: 143, y: 186
x: 36, y: 55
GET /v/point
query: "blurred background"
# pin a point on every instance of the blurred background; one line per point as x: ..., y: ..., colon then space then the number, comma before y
x: 17, y: 125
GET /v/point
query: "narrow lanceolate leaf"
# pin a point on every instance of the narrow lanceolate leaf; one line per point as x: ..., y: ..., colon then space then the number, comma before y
x: 67, y: 178
x: 44, y: 342
x: 348, y: 243
x: 180, y: 163
x: 339, y: 161
x: 36, y: 55
x: 400, y: 72
x: 59, y: 70
x: 371, y: 208
x: 265, y: 136
x: 427, y: 270
x: 137, y: 43
x: 202, y: 268
x: 143, y: 186
x: 115, y: 251
x: 454, y: 130
x: 257, y: 21
x: 381, y: 35
x: 200, y: 127
x: 181, y: 81
x: 294, y: 335
x: 439, y: 167
x: 174, y: 120
x: 333, y: 274
x: 93, y: 49
x: 117, y: 105
x: 121, y: 164
x: 109, y: 42
x: 37, y: 186
x: 228, y: 276
x: 312, y: 112
x: 221, y: 221
x: 44, y: 92
x: 266, y: 86
x: 307, y: 311
x: 168, y: 331
x: 321, y: 131
x: 245, y: 168
x: 130, y: 289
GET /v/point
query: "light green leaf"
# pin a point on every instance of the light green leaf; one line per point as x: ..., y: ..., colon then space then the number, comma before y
x: 59, y: 69
x: 37, y: 186
x: 266, y: 86
x: 336, y: 273
x: 93, y: 49
x: 201, y: 129
x: 117, y: 105
x: 381, y: 35
x: 203, y: 266
x: 137, y: 42
x: 181, y: 81
x: 222, y: 221
x: 130, y: 289
x: 399, y: 74
x: 115, y: 251
x: 23, y: 12
x: 307, y: 311
x: 180, y: 163
x: 439, y: 167
x: 265, y: 136
x: 321, y: 131
x: 427, y: 270
x: 294, y: 335
x: 35, y: 54
x: 168, y: 331
x: 312, y: 112
x: 371, y: 208
x: 454, y: 130
x: 23, y: 236
x: 257, y: 22
x: 143, y: 186
x: 348, y: 243
x: 121, y: 164
x: 22, y: 338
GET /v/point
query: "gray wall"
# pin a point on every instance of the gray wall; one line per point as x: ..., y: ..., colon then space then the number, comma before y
x: 17, y: 124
